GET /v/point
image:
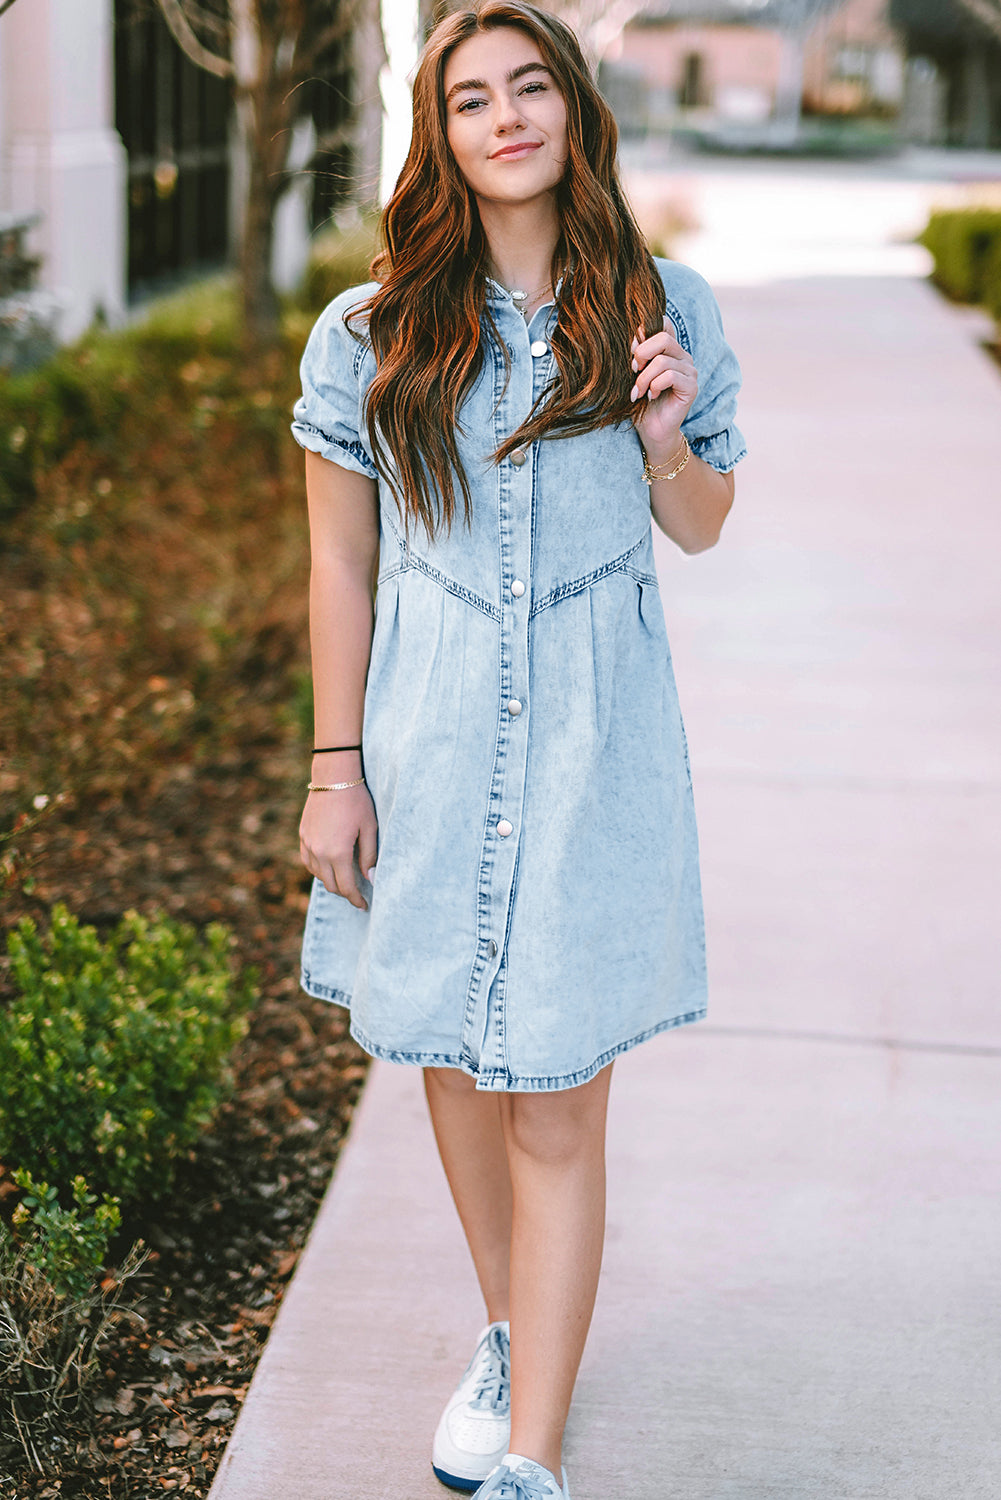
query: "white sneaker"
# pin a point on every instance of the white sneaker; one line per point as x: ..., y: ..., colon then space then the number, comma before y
x: 518, y: 1478
x: 475, y: 1427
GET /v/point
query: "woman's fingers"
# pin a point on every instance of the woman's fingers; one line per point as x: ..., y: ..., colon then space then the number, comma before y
x: 321, y: 868
x: 335, y: 868
x: 367, y: 848
x: 664, y: 372
x: 333, y: 826
x: 347, y: 885
x: 660, y: 343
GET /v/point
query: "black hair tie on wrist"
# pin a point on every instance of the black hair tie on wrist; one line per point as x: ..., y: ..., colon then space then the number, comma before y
x: 329, y: 749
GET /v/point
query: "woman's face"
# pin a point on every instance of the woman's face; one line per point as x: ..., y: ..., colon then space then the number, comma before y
x: 507, y: 122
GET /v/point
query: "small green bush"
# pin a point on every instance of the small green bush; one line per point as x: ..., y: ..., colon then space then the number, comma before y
x: 55, y: 1312
x: 966, y: 246
x: 67, y: 1245
x: 114, y: 1055
x: 992, y: 288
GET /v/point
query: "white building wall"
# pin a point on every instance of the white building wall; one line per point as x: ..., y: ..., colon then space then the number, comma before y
x: 60, y: 154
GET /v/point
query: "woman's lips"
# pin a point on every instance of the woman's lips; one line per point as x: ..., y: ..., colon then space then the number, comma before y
x: 512, y: 153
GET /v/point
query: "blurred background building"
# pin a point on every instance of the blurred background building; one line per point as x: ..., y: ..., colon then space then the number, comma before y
x: 719, y: 62
x: 955, y: 70
x: 120, y: 163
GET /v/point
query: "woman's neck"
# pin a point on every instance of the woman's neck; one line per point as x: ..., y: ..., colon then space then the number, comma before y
x: 521, y: 241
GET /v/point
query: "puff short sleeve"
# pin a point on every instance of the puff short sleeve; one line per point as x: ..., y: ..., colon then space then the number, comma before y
x: 692, y: 308
x: 329, y: 415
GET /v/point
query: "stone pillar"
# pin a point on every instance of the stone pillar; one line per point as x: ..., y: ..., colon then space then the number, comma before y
x: 290, y: 253
x: 399, y: 27
x: 368, y: 60
x: 64, y: 158
x: 976, y: 98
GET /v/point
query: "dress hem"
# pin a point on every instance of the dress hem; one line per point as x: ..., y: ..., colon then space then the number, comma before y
x: 497, y: 1080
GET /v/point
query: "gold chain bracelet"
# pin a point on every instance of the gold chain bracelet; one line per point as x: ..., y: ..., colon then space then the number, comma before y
x: 652, y: 471
x: 336, y: 786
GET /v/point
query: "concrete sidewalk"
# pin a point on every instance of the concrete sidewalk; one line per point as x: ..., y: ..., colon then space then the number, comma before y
x: 803, y: 1272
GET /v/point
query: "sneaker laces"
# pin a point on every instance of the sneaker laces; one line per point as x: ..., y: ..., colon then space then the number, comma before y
x: 526, y: 1482
x: 492, y: 1390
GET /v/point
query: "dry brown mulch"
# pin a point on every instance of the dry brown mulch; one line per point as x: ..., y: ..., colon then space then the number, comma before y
x: 226, y: 1242
x: 153, y: 651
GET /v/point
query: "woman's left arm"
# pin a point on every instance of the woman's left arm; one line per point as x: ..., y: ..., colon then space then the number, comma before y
x: 691, y: 506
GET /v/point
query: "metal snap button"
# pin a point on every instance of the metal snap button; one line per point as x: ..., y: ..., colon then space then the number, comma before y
x: 539, y: 347
x: 517, y: 588
x: 492, y: 948
x: 514, y: 707
x: 504, y: 828
x: 518, y: 457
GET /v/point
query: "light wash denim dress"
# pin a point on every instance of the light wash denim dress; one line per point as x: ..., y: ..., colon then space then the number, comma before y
x: 536, y: 907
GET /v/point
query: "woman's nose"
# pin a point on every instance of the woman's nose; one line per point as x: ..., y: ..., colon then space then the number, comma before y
x: 508, y: 115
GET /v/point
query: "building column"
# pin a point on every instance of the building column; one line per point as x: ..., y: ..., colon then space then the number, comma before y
x: 400, y: 30
x: 65, y: 160
x: 976, y: 99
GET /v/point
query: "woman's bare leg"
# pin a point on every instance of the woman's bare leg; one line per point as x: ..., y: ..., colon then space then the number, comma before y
x: 556, y: 1157
x: 527, y: 1172
x: 467, y: 1127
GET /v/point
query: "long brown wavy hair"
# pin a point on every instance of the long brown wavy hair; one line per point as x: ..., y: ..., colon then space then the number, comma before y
x: 424, y: 322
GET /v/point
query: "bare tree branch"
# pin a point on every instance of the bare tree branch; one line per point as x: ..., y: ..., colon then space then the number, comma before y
x: 184, y: 35
x: 988, y: 12
x: 310, y: 48
x: 207, y: 20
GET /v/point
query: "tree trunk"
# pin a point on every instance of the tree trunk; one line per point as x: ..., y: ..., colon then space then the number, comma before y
x: 257, y: 293
x: 269, y: 111
x: 368, y: 58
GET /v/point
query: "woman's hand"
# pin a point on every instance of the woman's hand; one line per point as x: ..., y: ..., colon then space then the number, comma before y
x: 333, y: 826
x: 668, y: 381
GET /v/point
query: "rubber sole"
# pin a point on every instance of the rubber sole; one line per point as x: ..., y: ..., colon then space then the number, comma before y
x: 455, y: 1482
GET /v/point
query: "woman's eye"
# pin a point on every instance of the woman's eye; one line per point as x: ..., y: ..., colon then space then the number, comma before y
x: 467, y: 106
x: 534, y: 88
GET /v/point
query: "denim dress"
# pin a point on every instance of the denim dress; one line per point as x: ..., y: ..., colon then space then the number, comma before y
x: 535, y: 908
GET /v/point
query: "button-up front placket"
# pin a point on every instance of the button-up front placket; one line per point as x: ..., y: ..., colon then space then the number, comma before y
x: 530, y: 370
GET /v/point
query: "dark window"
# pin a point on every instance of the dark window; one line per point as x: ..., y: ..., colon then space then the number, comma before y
x: 328, y: 101
x: 173, y: 118
x: 692, y: 85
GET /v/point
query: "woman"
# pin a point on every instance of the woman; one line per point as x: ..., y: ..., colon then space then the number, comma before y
x: 493, y: 421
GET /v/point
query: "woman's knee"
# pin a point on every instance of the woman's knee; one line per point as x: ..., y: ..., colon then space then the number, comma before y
x: 451, y: 1081
x: 557, y: 1129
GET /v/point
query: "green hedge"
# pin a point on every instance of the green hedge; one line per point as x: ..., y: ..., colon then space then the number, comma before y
x: 91, y: 387
x: 114, y: 1054
x: 87, y: 392
x: 966, y: 246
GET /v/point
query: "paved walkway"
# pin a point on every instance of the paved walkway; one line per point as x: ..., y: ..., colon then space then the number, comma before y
x: 803, y: 1272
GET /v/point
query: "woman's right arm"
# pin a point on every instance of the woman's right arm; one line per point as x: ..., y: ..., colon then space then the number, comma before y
x: 344, y: 540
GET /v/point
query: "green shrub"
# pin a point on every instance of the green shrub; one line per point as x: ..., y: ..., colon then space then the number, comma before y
x: 966, y: 246
x: 54, y: 1312
x: 67, y: 1245
x: 992, y: 289
x: 92, y: 390
x: 113, y: 1057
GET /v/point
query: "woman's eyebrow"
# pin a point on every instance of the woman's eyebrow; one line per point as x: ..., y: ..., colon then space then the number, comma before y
x: 512, y: 77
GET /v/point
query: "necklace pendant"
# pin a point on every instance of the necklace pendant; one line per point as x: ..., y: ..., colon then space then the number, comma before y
x: 519, y: 296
